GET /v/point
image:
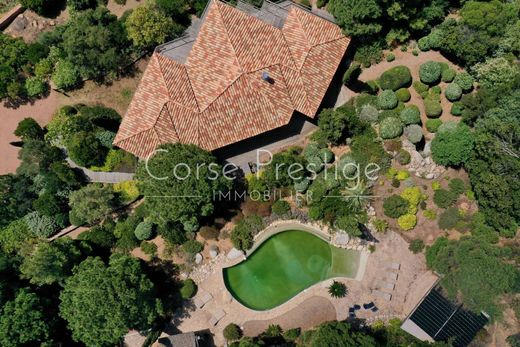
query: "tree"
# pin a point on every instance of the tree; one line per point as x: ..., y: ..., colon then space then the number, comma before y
x: 496, y: 73
x: 189, y: 188
x: 357, y: 17
x: 474, y: 270
x: 452, y: 147
x: 90, y: 204
x: 15, y: 236
x: 36, y: 157
x: 23, y: 321
x: 232, y: 332
x: 35, y: 86
x: 284, y: 169
x: 86, y: 150
x: 65, y: 75
x: 339, y: 123
x: 16, y: 197
x: 337, y: 334
x: 81, y: 5
x: 28, y: 128
x: 51, y: 262
x: 147, y: 27
x: 102, y: 302
x: 337, y: 289
x: 246, y: 228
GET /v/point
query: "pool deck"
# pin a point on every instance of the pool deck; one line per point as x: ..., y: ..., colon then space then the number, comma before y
x: 412, y: 279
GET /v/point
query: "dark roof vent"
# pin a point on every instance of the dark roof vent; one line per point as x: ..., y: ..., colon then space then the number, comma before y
x: 267, y: 78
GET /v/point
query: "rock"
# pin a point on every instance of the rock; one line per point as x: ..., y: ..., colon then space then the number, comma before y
x: 234, y: 254
x: 20, y: 24
x: 213, y: 252
x: 341, y: 239
x: 198, y: 258
x: 427, y: 149
x: 430, y: 176
x: 52, y: 23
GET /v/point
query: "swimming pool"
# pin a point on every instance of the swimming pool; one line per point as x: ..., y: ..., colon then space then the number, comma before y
x: 284, y: 265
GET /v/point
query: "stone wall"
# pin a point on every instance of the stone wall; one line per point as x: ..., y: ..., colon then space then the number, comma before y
x: 10, y: 16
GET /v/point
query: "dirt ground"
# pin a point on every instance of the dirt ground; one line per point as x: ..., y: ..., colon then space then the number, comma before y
x: 41, y: 110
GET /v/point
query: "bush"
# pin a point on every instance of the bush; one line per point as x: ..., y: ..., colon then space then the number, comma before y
x: 242, y: 234
x: 192, y: 247
x: 41, y: 225
x: 390, y: 128
x: 395, y: 78
x: 232, y: 332
x: 432, y: 125
x: 407, y: 221
x: 188, y: 288
x: 369, y: 113
x: 448, y: 75
x: 29, y: 129
x: 430, y: 214
x: 414, y: 196
x: 403, y: 157
x: 452, y: 146
x: 127, y: 190
x: 444, y: 198
x: 436, y: 185
x: 453, y: 92
x: 464, y: 81
x: 410, y: 115
x: 390, y: 57
x: 432, y: 107
x: 371, y: 87
x: 35, y: 86
x: 326, y: 155
x: 420, y: 87
x: 416, y: 246
x: 144, y: 231
x: 395, y: 206
x: 281, y: 208
x: 402, y: 175
x: 352, y: 73
x: 449, y: 218
x: 415, y: 52
x: 149, y: 248
x: 403, y: 95
x: 457, y: 108
x: 337, y: 289
x: 430, y: 72
x: 413, y: 133
x: 388, y: 114
x: 292, y: 334
x: 85, y: 149
x: 436, y: 90
x: 457, y: 186
x: 387, y: 100
x: 424, y: 44
x: 209, y: 233
x: 65, y: 75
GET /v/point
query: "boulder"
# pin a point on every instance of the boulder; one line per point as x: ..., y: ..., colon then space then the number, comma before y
x: 234, y: 254
x: 213, y: 252
x: 198, y: 258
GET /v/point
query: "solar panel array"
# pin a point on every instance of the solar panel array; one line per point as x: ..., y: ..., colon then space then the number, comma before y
x: 443, y: 320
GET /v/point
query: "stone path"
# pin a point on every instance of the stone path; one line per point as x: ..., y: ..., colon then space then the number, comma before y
x: 102, y: 177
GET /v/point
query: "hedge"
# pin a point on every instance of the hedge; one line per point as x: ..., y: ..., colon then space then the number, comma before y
x: 432, y: 107
x: 407, y: 221
x: 369, y: 113
x: 432, y: 125
x: 448, y: 75
x: 420, y: 87
x: 390, y: 128
x: 430, y: 72
x: 413, y: 133
x: 457, y: 108
x: 352, y: 73
x: 395, y: 78
x: 453, y: 92
x: 403, y: 94
x: 465, y: 81
x: 410, y: 115
x: 387, y: 100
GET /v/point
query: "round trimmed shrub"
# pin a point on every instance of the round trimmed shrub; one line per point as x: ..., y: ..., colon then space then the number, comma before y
x: 449, y: 218
x: 444, y: 198
x: 432, y: 125
x: 369, y: 113
x: 416, y: 246
x: 444, y: 66
x: 387, y: 100
x: 388, y: 114
x: 403, y: 94
x: 395, y: 206
x: 188, y: 288
x: 457, y: 108
x: 420, y: 87
x: 35, y: 86
x: 407, y: 221
x: 395, y: 78
x: 453, y: 92
x: 413, y: 133
x: 326, y: 155
x: 390, y: 57
x: 415, y: 53
x: 410, y: 115
x: 424, y: 44
x: 430, y: 72
x: 144, y: 231
x: 436, y: 90
x: 448, y: 75
x: 432, y: 107
x: 232, y: 332
x: 390, y: 128
x: 192, y: 246
x: 403, y: 157
x: 465, y: 81
x: 448, y: 127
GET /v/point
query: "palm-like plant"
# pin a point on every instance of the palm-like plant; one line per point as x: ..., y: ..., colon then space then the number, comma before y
x: 357, y: 196
x: 338, y: 289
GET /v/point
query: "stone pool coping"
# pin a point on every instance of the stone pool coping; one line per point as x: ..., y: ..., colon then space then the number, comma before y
x: 281, y: 226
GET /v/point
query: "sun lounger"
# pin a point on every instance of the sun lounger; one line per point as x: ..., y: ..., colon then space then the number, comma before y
x: 369, y: 305
x: 395, y: 266
x: 382, y: 295
x: 389, y: 286
x: 375, y: 309
x: 202, y: 300
x: 357, y: 307
x: 216, y: 317
x: 391, y: 275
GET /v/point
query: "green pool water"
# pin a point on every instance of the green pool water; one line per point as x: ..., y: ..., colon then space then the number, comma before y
x: 284, y: 265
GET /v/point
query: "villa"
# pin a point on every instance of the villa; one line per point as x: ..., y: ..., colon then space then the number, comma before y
x: 237, y: 73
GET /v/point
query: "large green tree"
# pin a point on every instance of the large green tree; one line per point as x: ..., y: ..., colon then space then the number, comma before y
x: 90, y: 204
x: 102, y: 302
x: 51, y: 262
x: 23, y: 322
x: 181, y: 184
x: 337, y: 334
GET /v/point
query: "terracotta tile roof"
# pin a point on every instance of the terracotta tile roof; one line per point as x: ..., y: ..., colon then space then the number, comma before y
x: 218, y: 96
